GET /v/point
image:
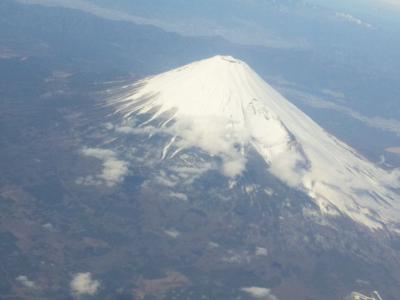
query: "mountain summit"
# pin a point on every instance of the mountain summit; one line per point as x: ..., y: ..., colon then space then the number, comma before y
x: 221, y: 107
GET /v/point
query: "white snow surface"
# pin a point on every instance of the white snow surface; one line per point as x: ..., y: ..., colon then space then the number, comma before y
x: 222, y: 107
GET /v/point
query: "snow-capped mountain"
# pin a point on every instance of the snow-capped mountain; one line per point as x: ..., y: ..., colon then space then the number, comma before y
x: 221, y: 107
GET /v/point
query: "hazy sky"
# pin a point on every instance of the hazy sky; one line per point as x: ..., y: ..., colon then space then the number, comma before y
x: 273, y: 24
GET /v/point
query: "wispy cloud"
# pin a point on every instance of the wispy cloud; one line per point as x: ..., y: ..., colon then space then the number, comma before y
x: 84, y: 284
x: 113, y: 169
x: 94, y: 9
x: 354, y: 20
x: 26, y: 282
x: 172, y: 233
x: 395, y: 3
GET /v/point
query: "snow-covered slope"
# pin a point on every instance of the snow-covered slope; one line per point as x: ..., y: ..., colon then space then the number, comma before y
x: 222, y: 107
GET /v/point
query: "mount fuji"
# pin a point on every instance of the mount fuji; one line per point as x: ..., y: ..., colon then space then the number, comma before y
x: 198, y: 182
x: 222, y: 108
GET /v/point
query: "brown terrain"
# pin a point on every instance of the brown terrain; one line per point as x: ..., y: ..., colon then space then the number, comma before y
x: 159, y: 287
x: 395, y: 150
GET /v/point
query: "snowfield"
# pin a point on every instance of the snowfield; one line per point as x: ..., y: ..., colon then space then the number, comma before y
x: 222, y: 107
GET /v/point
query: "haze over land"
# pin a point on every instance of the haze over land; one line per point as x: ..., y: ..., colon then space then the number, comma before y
x: 223, y: 149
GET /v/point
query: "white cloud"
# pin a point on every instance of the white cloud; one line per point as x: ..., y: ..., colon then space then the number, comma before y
x: 352, y: 19
x: 24, y: 280
x: 48, y: 226
x: 215, y: 141
x: 165, y: 180
x: 234, y: 166
x: 187, y: 171
x: 259, y: 293
x: 83, y: 284
x: 213, y: 245
x: 109, y: 126
x: 179, y: 196
x: 98, y: 153
x: 113, y: 171
x: 172, y: 233
x: 260, y: 251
